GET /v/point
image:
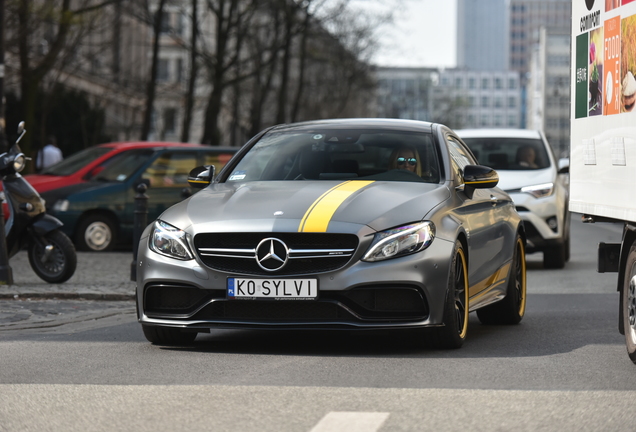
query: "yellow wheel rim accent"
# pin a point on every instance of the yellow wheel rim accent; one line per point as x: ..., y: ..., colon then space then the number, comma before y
x: 464, y: 330
x: 522, y: 256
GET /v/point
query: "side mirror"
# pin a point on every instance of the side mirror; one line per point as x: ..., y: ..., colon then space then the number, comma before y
x: 201, y: 176
x: 21, y: 131
x: 564, y: 166
x: 479, y: 177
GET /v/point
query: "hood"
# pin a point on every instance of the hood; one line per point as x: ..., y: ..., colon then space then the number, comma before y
x: 513, y: 180
x: 43, y: 182
x: 309, y: 206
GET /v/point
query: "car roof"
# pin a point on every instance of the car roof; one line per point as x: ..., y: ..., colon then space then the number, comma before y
x: 359, y: 123
x: 129, y: 145
x: 498, y: 133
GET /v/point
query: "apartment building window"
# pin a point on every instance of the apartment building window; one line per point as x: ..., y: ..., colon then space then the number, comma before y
x: 458, y: 82
x: 512, y: 83
x: 485, y: 102
x: 498, y: 120
x: 484, y: 120
x: 472, y: 83
x: 512, y: 102
x: 485, y: 84
x: 498, y: 102
x: 498, y: 83
x: 169, y: 120
x: 179, y: 70
x: 163, y: 70
x: 512, y: 121
x: 165, y: 23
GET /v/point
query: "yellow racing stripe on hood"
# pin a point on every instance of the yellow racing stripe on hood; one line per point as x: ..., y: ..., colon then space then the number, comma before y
x: 319, y: 214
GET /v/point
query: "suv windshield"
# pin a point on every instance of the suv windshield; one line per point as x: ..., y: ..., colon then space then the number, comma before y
x: 509, y: 153
x: 76, y: 161
x: 340, y: 154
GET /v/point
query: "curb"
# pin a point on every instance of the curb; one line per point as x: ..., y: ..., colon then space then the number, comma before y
x: 67, y: 296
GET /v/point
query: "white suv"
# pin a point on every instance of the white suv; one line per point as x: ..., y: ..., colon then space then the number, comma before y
x: 528, y: 171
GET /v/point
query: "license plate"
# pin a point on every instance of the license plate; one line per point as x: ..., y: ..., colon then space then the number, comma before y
x: 274, y: 289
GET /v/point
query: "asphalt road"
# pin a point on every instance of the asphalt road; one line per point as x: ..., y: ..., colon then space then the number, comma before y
x: 85, y: 365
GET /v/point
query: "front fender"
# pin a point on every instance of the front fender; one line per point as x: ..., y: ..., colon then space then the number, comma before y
x: 45, y: 224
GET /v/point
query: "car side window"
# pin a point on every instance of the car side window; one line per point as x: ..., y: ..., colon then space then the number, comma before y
x: 170, y: 169
x: 460, y: 156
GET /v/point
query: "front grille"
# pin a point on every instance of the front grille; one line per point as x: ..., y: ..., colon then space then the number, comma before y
x: 308, y: 252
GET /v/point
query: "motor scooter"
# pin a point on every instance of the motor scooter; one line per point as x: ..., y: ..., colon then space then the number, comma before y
x: 51, y: 253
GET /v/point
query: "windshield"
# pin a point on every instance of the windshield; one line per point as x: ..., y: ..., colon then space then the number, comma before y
x: 340, y: 154
x: 76, y: 161
x: 509, y: 153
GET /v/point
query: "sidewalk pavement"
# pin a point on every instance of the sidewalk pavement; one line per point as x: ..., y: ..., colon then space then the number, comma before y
x: 99, y: 276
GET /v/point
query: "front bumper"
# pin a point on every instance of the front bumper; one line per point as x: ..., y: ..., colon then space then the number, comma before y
x: 404, y: 292
x: 544, y: 220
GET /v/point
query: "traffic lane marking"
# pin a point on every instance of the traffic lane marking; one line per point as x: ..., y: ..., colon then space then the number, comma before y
x: 351, y: 422
x: 156, y: 408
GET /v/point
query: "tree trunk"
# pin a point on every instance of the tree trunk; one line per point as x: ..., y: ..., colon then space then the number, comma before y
x: 301, y: 72
x: 152, y: 82
x: 190, y: 94
x: 281, y: 116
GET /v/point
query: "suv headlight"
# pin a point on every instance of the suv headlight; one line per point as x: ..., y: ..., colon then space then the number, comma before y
x: 539, y: 191
x: 170, y: 241
x: 401, y: 241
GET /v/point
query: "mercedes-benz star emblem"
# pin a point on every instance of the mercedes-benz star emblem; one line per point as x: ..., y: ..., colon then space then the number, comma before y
x: 271, y: 254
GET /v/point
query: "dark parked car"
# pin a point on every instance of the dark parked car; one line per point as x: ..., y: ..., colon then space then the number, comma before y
x: 98, y: 214
x: 341, y: 224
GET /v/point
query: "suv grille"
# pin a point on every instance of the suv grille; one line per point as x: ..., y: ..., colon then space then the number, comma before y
x: 307, y: 252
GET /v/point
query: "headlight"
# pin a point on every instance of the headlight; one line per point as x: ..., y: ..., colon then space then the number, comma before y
x: 19, y: 162
x: 60, y: 205
x: 400, y: 241
x: 539, y: 191
x: 170, y: 241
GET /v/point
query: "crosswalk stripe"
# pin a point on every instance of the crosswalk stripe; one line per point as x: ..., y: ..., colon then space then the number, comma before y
x: 351, y: 422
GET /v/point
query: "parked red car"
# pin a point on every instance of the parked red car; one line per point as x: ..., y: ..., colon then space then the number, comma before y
x: 85, y: 164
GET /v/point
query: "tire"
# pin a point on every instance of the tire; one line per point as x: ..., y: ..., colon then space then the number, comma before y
x: 57, y: 264
x: 512, y: 308
x: 96, y: 233
x: 628, y: 302
x: 555, y: 257
x: 167, y: 335
x: 453, y: 334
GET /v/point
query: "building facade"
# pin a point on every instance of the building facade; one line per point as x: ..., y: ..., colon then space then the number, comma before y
x: 457, y: 98
x: 549, y: 89
x: 482, y: 34
x: 479, y: 99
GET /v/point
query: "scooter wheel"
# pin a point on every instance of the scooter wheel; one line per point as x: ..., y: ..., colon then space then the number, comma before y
x: 53, y: 257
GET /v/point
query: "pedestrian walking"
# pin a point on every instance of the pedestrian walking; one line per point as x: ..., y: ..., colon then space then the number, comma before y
x: 49, y: 155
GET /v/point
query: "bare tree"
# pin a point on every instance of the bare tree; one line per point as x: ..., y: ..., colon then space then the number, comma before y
x: 42, y: 33
x: 232, y: 18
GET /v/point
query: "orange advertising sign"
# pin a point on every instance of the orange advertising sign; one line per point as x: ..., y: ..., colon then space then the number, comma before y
x: 612, y: 57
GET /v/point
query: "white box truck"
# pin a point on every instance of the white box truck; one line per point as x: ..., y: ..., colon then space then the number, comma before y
x: 603, y: 137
